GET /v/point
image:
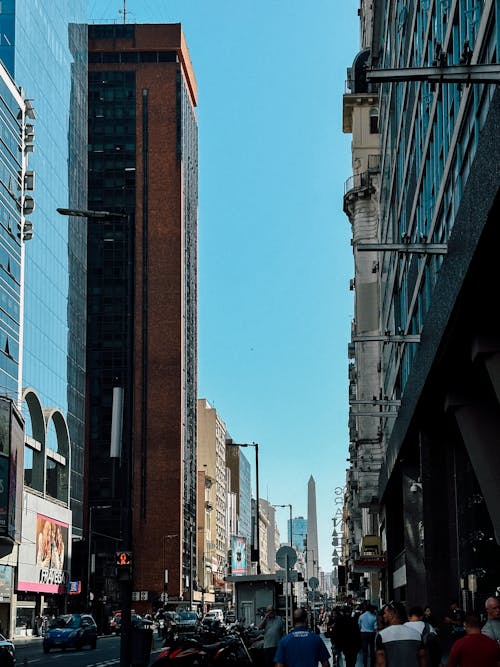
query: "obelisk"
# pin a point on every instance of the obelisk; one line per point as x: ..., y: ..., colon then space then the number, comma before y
x: 312, y: 555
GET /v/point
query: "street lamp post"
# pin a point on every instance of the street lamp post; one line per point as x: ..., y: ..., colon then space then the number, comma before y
x: 257, y: 536
x: 126, y: 504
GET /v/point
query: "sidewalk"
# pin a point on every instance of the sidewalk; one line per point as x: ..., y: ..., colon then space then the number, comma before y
x: 19, y: 640
x: 328, y: 643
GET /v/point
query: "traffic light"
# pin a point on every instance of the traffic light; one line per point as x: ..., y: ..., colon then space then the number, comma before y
x: 123, y: 559
x: 124, y: 562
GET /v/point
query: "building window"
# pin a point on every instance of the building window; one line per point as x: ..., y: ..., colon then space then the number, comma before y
x: 374, y: 120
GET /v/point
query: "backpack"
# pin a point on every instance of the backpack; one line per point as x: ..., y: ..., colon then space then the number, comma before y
x: 432, y: 644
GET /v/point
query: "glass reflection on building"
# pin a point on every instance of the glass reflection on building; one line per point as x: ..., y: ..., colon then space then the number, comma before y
x: 44, y: 47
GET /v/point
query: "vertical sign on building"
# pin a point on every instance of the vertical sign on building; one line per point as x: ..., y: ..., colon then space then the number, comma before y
x: 238, y: 555
x: 16, y: 475
x: 11, y: 470
x: 4, y: 464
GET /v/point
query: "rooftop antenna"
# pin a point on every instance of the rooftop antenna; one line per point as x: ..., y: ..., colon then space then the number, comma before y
x: 124, y: 11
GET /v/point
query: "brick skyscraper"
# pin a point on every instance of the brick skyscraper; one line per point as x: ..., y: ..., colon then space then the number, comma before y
x: 142, y: 305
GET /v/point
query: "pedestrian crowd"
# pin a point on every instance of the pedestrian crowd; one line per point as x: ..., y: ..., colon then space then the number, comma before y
x: 396, y: 637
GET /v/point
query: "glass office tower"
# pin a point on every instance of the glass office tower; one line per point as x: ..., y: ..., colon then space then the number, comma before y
x: 44, y: 48
x: 298, y: 536
x: 11, y: 189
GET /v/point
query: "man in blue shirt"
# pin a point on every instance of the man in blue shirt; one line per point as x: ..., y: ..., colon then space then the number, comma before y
x: 301, y: 648
x: 368, y: 625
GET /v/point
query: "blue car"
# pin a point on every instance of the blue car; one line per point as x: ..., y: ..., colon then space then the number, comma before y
x: 7, y: 652
x: 70, y: 631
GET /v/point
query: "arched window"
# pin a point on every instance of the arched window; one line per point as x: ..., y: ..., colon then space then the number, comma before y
x: 374, y: 120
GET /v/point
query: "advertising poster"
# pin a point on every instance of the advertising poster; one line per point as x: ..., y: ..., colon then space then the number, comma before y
x: 48, y: 573
x: 6, y: 575
x: 51, y: 543
x: 238, y: 555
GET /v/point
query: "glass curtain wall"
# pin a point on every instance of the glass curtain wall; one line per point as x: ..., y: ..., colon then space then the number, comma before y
x: 44, y: 45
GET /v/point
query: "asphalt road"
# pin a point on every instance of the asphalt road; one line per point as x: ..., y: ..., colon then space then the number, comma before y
x: 106, y: 654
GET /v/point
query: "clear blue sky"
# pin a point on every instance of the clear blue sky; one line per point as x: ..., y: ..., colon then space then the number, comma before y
x: 274, y: 245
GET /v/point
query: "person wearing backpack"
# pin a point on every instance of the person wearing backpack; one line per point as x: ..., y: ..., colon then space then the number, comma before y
x: 428, y: 633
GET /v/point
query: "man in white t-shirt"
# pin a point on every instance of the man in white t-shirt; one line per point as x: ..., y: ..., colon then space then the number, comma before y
x: 398, y: 644
x: 428, y: 633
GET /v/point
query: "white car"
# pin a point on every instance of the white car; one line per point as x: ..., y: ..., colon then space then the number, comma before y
x: 213, y: 615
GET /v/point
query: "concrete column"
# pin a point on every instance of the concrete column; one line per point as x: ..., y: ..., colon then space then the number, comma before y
x: 414, y: 537
x: 487, y: 349
x: 479, y: 424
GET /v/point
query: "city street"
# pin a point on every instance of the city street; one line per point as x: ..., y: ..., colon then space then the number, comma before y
x: 107, y: 653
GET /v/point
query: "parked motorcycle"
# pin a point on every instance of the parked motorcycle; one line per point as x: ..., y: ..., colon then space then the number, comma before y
x: 230, y: 650
x: 254, y: 642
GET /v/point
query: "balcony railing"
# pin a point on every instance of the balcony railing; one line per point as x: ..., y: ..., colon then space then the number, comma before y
x: 357, y: 182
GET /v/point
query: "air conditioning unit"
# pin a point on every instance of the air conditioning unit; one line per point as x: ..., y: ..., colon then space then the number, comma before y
x: 28, y: 205
x: 29, y: 180
x: 27, y: 230
x: 29, y: 134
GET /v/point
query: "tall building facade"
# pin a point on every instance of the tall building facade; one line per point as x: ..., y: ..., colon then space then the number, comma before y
x: 361, y: 205
x: 142, y: 333
x: 206, y: 564
x: 48, y: 352
x: 270, y: 541
x: 212, y: 459
x: 241, y: 484
x: 434, y: 514
x: 297, y: 532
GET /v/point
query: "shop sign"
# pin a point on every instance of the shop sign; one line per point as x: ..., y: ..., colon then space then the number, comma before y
x: 6, y: 578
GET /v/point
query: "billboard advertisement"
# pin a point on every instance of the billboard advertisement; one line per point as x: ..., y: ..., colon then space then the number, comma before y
x: 48, y: 572
x: 238, y: 555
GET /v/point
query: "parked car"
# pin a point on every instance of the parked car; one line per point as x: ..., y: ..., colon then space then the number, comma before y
x: 70, y: 631
x: 187, y: 621
x: 230, y: 616
x: 7, y: 652
x: 137, y: 621
x: 115, y: 622
x: 213, y: 616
